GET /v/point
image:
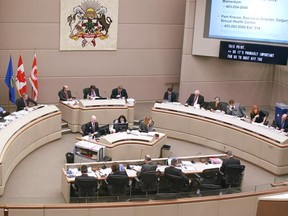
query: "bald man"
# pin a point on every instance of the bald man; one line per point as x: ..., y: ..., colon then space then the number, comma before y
x: 91, y: 127
x: 283, y: 124
x: 195, y: 98
x: 65, y: 94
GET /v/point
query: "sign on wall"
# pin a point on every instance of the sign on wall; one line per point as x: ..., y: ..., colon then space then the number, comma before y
x: 89, y: 24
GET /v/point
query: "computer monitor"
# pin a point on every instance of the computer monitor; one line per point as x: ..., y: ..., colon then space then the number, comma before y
x: 103, y: 130
x: 119, y: 127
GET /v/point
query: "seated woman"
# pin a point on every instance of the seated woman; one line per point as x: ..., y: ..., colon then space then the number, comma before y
x: 257, y: 115
x: 216, y: 105
x: 147, y: 124
x: 120, y: 124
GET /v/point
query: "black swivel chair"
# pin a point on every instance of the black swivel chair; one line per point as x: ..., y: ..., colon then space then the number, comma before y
x: 85, y: 93
x: 266, y: 113
x: 176, y: 183
x: 149, y: 181
x: 87, y: 189
x: 83, y: 129
x: 233, y: 175
x: 119, y: 185
x: 209, y: 176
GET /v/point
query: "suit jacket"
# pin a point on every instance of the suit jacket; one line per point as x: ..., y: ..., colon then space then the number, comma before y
x: 228, y: 162
x: 173, y: 96
x: 146, y: 128
x: 284, y: 126
x: 148, y: 167
x: 200, y: 101
x: 89, y: 128
x: 219, y: 106
x: 21, y: 104
x: 171, y: 170
x: 62, y: 95
x: 89, y: 93
x: 123, y: 93
x: 236, y: 111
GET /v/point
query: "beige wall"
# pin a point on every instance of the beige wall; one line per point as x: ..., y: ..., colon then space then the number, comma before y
x: 247, y: 83
x: 148, y: 59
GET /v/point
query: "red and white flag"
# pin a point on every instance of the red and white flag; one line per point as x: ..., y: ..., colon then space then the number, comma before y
x: 33, y: 78
x: 20, y: 78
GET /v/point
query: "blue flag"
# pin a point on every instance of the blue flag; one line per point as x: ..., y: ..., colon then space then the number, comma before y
x: 9, y: 80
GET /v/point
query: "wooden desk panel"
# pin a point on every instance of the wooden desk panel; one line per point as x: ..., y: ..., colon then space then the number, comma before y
x: 24, y: 135
x: 269, y: 152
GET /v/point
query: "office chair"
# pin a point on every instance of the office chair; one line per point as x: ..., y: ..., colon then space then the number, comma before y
x: 233, y: 175
x: 83, y: 129
x: 85, y: 93
x: 149, y: 181
x: 176, y: 183
x: 266, y: 114
x: 119, y: 185
x: 87, y: 189
x: 209, y: 176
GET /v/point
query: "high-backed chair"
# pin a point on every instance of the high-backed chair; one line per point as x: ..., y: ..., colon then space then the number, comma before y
x: 266, y: 113
x: 176, y: 183
x: 149, y: 181
x: 87, y: 189
x: 85, y: 93
x: 119, y: 185
x: 233, y: 175
x: 210, y: 176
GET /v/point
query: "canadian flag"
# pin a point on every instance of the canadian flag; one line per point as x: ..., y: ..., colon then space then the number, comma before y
x: 33, y: 78
x: 20, y: 78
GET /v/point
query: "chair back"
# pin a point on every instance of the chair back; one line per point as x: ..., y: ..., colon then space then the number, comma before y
x: 210, y: 176
x: 119, y: 184
x: 87, y: 187
x: 234, y: 174
x: 176, y: 183
x: 83, y: 129
x: 149, y: 181
x: 85, y: 93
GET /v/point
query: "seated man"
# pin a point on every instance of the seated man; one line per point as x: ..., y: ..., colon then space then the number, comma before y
x: 170, y: 96
x: 92, y: 126
x: 148, y: 166
x: 235, y: 109
x: 3, y: 112
x: 283, y: 124
x: 119, y: 92
x: 228, y: 161
x: 195, y: 99
x: 172, y: 170
x: 24, y: 102
x: 92, y: 93
x: 85, y: 185
x: 216, y: 105
x: 65, y: 94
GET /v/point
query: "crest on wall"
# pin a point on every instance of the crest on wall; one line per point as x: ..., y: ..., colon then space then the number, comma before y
x: 89, y: 25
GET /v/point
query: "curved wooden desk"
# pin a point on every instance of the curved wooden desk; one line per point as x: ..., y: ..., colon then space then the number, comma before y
x: 79, y: 112
x: 138, y: 145
x: 25, y: 134
x: 260, y: 145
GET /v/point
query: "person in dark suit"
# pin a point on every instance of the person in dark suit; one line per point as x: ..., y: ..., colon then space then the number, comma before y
x: 65, y: 94
x: 283, y: 124
x: 147, y: 166
x: 170, y: 96
x: 172, y: 170
x: 228, y: 161
x: 92, y: 93
x: 3, y: 112
x: 119, y: 92
x: 235, y: 109
x: 85, y: 185
x: 91, y: 127
x: 195, y: 99
x: 24, y: 102
x: 216, y: 105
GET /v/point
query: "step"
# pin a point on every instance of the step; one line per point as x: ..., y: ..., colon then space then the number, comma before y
x: 65, y: 131
x: 64, y: 124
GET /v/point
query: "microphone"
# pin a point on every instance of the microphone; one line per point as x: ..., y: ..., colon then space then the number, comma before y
x: 106, y: 94
x: 140, y: 156
x: 77, y: 95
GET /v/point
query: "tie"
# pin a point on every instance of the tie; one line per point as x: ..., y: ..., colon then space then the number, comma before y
x: 66, y: 94
x: 195, y: 99
x: 93, y: 127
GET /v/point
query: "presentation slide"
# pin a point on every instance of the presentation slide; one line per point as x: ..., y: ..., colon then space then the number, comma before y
x: 252, y: 20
